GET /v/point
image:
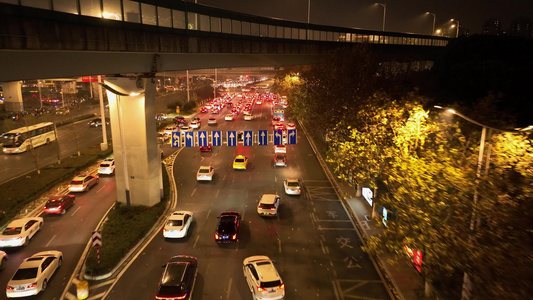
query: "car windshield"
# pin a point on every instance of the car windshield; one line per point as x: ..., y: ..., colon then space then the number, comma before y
x: 22, y: 274
x: 270, y: 284
x: 239, y: 160
x: 292, y: 184
x: 175, y: 223
x: 12, y: 230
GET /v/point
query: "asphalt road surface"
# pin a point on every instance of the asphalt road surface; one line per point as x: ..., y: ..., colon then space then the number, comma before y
x: 313, y: 242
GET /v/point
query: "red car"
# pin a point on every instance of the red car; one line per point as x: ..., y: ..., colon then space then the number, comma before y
x: 59, y: 204
x: 205, y: 148
x: 203, y: 110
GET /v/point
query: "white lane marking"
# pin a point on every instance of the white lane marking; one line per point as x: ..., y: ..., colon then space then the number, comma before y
x: 336, y: 289
x: 229, y: 288
x: 76, y: 211
x: 202, y: 159
x: 193, y: 192
x: 207, y: 217
x: 50, y: 241
x: 196, y: 241
x: 279, y: 245
x: 216, y: 195
x: 324, y: 249
x: 101, y: 189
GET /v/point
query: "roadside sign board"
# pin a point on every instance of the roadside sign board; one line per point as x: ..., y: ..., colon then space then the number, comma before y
x: 176, y: 139
x: 96, y: 239
x: 202, y: 138
x: 291, y: 134
x: 248, y: 138
x: 278, y: 137
x: 232, y: 138
x: 263, y: 138
x: 189, y: 139
x: 217, y: 138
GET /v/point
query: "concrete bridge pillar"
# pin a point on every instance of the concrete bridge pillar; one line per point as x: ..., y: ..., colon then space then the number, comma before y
x: 13, y: 96
x: 137, y: 157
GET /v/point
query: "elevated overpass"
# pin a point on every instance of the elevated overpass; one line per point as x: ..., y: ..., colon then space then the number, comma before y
x: 41, y: 39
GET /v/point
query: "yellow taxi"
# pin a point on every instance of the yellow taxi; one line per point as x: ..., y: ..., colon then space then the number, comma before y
x: 240, y: 162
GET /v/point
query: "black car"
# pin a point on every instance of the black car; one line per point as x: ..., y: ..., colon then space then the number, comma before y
x: 178, y: 278
x: 228, y: 227
x: 98, y: 122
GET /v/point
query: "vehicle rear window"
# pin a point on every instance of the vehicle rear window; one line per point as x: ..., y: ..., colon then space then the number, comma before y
x: 175, y: 223
x: 53, y: 203
x: 12, y: 230
x: 270, y: 284
x: 28, y: 273
x: 266, y: 206
x: 292, y: 184
x: 203, y: 171
x: 76, y: 182
x: 104, y: 165
x: 239, y: 160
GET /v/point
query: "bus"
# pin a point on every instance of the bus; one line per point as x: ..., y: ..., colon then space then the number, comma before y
x: 24, y: 138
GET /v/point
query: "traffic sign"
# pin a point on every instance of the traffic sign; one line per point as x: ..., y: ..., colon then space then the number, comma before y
x: 248, y: 138
x: 263, y: 138
x: 202, y: 138
x: 176, y: 139
x: 96, y: 239
x: 217, y: 138
x: 291, y: 134
x: 189, y: 139
x: 278, y: 137
x: 232, y: 138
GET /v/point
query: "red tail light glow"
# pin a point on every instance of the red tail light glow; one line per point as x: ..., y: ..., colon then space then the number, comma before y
x: 282, y: 286
x: 216, y: 236
x: 9, y: 288
x: 32, y: 285
x: 234, y: 237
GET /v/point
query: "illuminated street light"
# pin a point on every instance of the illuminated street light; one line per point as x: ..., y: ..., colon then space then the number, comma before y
x: 434, y: 18
x: 384, y: 5
x: 457, y: 31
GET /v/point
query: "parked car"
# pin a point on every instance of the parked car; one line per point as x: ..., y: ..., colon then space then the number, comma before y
x: 34, y: 273
x: 59, y: 204
x: 83, y: 183
x: 178, y: 278
x: 262, y: 278
x: 19, y: 232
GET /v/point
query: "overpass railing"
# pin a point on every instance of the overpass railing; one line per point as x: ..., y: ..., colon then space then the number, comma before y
x: 198, y: 20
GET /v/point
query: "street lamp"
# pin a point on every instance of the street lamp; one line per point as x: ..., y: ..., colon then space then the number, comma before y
x: 467, y: 284
x: 457, y: 31
x: 434, y: 17
x: 308, y: 11
x: 384, y: 5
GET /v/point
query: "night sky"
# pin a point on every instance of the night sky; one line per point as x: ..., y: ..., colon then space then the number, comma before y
x: 401, y: 15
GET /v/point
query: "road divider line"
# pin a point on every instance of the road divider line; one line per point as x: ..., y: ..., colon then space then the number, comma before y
x: 48, y: 244
x: 100, y: 189
x: 216, y: 195
x: 75, y: 211
x: 196, y: 241
x: 193, y: 192
x: 208, y: 212
x: 229, y: 288
x: 279, y: 245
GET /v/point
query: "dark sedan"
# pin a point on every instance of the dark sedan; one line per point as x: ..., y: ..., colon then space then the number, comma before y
x: 227, y: 230
x: 178, y: 278
x: 59, y: 204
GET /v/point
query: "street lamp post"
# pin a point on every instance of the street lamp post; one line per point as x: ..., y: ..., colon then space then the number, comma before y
x: 457, y: 31
x: 434, y: 18
x: 308, y: 11
x: 384, y: 5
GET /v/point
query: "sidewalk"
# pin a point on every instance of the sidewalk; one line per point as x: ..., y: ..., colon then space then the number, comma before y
x: 402, y: 275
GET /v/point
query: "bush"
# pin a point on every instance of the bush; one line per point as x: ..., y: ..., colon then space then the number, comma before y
x: 123, y: 229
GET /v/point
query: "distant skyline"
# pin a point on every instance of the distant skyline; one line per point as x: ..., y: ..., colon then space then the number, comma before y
x: 401, y: 16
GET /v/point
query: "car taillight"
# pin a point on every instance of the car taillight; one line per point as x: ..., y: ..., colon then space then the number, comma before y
x: 282, y: 286
x: 182, y: 297
x: 165, y: 230
x: 9, y: 288
x: 273, y: 209
x: 216, y: 236
x: 32, y: 285
x: 260, y: 289
x: 234, y: 237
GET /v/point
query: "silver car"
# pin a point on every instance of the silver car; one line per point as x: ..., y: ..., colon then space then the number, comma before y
x: 293, y: 186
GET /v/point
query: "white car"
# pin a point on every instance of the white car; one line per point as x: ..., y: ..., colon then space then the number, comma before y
x: 280, y: 149
x: 107, y: 167
x: 205, y: 173
x: 249, y: 117
x: 228, y: 118
x: 268, y: 205
x: 19, y: 232
x: 194, y: 125
x: 263, y: 279
x: 170, y: 129
x: 3, y: 260
x: 292, y: 186
x: 178, y: 224
x: 82, y: 183
x: 212, y: 121
x: 34, y: 274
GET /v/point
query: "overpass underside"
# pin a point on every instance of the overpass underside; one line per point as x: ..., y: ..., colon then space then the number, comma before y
x: 39, y: 44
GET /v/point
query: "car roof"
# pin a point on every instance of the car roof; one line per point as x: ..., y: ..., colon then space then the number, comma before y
x: 265, y: 268
x: 32, y: 262
x: 179, y: 215
x: 18, y: 222
x: 292, y: 180
x: 268, y: 198
x: 205, y: 168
